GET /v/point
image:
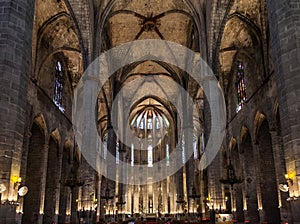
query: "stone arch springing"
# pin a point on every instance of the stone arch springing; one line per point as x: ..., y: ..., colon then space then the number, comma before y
x: 259, y: 118
x: 42, y: 124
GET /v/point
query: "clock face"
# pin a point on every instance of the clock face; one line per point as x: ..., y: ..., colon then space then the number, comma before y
x: 23, y: 191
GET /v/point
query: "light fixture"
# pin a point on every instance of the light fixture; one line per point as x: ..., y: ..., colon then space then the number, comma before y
x: 23, y: 191
x: 283, y: 187
x: 107, y: 196
x: 16, y: 180
x: 73, y: 182
x: 2, y: 188
x: 289, y: 178
x: 180, y: 201
x: 231, y: 178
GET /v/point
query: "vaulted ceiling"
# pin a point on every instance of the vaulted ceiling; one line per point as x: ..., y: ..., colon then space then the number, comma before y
x: 128, y: 21
x: 72, y: 27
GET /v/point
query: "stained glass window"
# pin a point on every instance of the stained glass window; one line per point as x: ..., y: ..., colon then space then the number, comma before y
x: 150, y: 158
x: 132, y: 155
x: 167, y: 155
x: 202, y: 143
x: 150, y: 126
x: 183, y: 150
x: 117, y: 153
x: 195, y: 147
x: 105, y: 147
x: 241, y: 86
x: 58, y: 86
x: 158, y: 122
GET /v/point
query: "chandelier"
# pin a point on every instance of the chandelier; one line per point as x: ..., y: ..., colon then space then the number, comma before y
x: 231, y: 178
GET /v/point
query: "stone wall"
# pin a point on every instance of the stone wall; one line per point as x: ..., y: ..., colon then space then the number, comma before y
x: 15, y: 58
x: 285, y: 39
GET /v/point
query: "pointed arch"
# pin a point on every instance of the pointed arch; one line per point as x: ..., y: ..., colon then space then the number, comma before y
x: 55, y: 134
x: 258, y: 120
x: 232, y: 143
x: 41, y: 122
x: 243, y: 133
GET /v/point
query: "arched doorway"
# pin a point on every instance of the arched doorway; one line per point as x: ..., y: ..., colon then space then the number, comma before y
x: 251, y: 208
x: 268, y: 176
x: 34, y: 173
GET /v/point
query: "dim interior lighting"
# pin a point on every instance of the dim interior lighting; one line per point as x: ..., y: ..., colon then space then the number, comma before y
x: 16, y: 179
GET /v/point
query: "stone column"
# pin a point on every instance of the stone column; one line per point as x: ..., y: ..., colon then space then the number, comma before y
x: 214, y: 185
x: 103, y: 202
x: 280, y: 171
x: 15, y: 60
x: 43, y: 182
x: 258, y: 175
x: 74, y: 204
x: 179, y: 190
x: 284, y: 24
x: 111, y: 169
x: 190, y: 175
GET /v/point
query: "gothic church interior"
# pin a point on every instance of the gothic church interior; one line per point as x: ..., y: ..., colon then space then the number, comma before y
x: 252, y: 48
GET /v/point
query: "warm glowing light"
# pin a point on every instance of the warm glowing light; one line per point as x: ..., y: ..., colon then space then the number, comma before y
x: 16, y: 179
x: 290, y: 175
